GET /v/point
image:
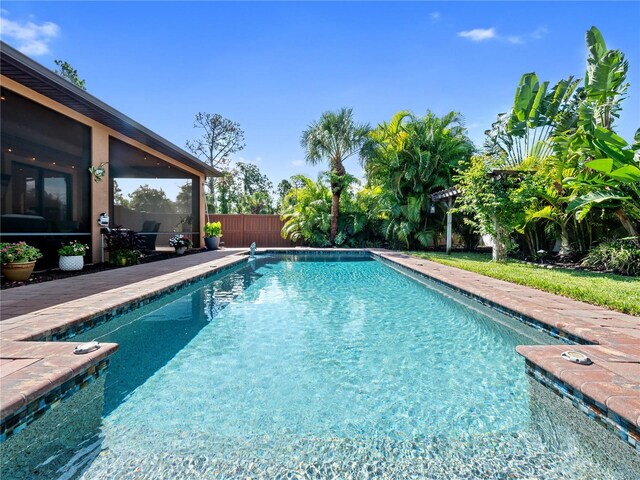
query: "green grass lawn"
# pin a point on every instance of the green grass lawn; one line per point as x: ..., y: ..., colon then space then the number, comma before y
x: 612, y: 291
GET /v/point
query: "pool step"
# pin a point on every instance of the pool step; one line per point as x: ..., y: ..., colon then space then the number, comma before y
x: 608, y: 390
x: 36, y: 375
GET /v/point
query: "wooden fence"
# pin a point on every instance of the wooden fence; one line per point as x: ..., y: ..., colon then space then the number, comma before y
x: 241, y: 230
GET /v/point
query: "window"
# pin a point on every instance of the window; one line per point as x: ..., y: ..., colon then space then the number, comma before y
x: 45, y: 157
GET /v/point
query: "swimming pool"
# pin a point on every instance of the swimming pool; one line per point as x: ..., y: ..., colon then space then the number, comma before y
x: 317, y: 366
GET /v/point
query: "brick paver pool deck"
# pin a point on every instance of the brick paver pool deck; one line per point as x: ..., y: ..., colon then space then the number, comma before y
x: 30, y: 369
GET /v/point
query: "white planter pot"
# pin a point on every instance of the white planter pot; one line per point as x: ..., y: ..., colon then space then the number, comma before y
x: 68, y: 264
x: 181, y: 250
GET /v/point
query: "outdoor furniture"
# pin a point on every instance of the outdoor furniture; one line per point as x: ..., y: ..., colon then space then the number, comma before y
x: 149, y: 232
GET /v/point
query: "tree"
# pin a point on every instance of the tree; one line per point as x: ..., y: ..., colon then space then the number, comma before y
x: 245, y: 189
x: 410, y: 158
x: 118, y: 197
x: 69, y: 73
x: 183, y: 199
x: 283, y: 188
x: 334, y: 138
x: 147, y: 199
x: 221, y: 138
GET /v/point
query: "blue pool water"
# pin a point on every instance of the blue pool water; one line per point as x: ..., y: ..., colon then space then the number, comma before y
x: 321, y: 367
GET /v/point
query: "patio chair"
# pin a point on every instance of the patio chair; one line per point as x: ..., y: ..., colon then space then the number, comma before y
x: 149, y: 229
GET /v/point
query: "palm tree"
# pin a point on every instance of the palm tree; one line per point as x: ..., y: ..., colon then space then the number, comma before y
x: 410, y: 158
x: 334, y: 138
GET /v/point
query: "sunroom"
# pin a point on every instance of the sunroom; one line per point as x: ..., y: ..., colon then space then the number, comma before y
x: 64, y: 153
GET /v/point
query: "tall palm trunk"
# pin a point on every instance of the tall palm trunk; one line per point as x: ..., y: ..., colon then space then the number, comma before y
x: 337, y: 185
x: 335, y: 211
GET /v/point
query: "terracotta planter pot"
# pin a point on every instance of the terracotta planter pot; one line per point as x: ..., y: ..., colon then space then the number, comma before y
x: 18, y: 272
x: 71, y: 263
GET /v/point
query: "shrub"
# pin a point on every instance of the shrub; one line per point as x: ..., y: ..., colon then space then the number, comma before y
x: 73, y: 249
x: 213, y: 229
x: 18, y: 253
x: 619, y: 256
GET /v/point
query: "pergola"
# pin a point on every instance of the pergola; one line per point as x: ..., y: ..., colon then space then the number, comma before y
x: 448, y: 196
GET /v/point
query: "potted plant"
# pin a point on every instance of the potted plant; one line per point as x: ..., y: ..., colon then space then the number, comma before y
x: 212, y: 234
x: 18, y: 260
x: 180, y: 243
x: 72, y: 256
x: 124, y: 246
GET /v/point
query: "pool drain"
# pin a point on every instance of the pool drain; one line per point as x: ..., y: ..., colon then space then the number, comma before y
x: 86, y: 348
x: 576, y: 357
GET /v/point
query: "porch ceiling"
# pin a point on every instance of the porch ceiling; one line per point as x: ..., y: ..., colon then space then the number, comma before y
x: 126, y: 161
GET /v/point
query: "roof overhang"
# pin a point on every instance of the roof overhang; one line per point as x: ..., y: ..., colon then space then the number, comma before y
x: 24, y: 70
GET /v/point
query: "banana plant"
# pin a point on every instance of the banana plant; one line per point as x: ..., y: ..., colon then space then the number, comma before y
x: 537, y: 113
x: 612, y: 179
x: 611, y: 167
x: 604, y: 83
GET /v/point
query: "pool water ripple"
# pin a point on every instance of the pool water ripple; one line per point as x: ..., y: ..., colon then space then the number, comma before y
x: 333, y: 367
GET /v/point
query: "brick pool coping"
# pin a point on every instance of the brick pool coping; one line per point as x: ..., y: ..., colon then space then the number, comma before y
x: 46, y: 311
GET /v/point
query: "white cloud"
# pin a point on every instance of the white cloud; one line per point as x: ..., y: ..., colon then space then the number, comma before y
x: 478, y: 34
x: 539, y: 32
x: 435, y: 16
x: 29, y: 37
x: 297, y: 163
x: 482, y: 34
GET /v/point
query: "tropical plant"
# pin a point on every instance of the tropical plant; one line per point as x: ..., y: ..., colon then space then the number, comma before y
x: 307, y: 212
x: 610, y: 177
x: 522, y: 133
x: 334, y: 138
x: 619, y: 256
x: 73, y: 249
x: 19, y: 252
x: 213, y: 229
x: 565, y: 136
x: 410, y: 158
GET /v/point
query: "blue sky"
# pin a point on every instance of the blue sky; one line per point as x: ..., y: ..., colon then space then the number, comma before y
x: 274, y: 67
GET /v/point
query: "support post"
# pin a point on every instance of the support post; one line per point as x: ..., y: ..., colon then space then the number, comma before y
x: 449, y: 232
